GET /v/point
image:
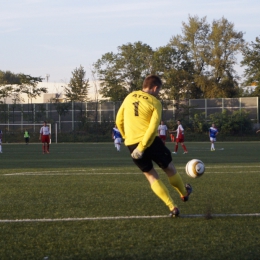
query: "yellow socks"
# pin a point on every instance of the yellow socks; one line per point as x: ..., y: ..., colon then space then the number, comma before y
x: 162, y: 192
x: 177, y: 183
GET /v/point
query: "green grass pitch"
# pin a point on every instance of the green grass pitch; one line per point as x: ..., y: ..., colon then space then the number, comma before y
x: 88, y: 201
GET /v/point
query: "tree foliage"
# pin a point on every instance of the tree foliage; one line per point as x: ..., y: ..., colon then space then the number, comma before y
x: 77, y: 89
x: 123, y: 72
x: 251, y: 59
x: 199, y: 63
x: 29, y: 86
x: 12, y: 85
x: 212, y: 49
x: 175, y: 70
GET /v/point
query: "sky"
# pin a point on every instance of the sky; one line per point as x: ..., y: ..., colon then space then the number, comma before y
x: 40, y: 37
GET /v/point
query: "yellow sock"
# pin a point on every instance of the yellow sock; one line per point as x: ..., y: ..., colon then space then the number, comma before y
x: 177, y: 183
x: 162, y: 192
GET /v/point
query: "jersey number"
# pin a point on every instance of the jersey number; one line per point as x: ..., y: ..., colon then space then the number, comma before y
x: 136, y: 104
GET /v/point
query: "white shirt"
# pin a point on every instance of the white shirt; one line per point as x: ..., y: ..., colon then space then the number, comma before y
x: 180, y: 129
x: 45, y: 130
x: 162, y: 129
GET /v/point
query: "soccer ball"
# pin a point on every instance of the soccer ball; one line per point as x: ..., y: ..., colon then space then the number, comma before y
x: 195, y: 168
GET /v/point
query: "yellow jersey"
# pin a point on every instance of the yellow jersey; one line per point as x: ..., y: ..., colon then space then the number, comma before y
x: 138, y: 119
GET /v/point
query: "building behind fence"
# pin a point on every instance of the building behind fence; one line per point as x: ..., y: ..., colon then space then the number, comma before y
x: 71, y: 116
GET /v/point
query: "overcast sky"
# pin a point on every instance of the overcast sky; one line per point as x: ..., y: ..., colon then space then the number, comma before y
x: 40, y: 37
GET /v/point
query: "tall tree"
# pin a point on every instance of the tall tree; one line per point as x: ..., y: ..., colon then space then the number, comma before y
x: 123, y: 72
x: 212, y: 49
x: 251, y: 59
x: 226, y: 43
x: 77, y: 89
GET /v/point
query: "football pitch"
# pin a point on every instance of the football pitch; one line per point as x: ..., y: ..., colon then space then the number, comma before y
x: 88, y: 201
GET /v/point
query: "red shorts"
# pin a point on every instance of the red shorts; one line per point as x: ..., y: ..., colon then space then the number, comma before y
x: 163, y: 137
x: 180, y: 140
x: 45, y: 139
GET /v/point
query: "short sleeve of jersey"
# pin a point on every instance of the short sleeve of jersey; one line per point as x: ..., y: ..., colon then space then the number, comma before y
x: 138, y: 119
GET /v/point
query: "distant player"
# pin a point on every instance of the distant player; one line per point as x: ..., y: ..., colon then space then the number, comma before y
x: 138, y: 119
x: 45, y: 135
x: 26, y: 136
x: 179, y: 138
x: 213, y: 132
x: 1, y: 135
x: 162, y: 131
x: 117, y: 137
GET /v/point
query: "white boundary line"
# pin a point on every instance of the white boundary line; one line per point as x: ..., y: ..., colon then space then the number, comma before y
x: 86, y: 172
x: 124, y: 217
x: 61, y: 173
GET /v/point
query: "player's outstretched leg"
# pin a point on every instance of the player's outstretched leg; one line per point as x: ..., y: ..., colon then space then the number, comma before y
x: 162, y: 192
x: 160, y: 189
x: 177, y: 183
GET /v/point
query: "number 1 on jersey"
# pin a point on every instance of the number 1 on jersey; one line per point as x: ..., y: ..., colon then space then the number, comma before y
x: 136, y: 104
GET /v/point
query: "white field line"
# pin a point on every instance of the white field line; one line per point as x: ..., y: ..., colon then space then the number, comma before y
x: 68, y: 173
x: 125, y: 217
x: 83, y: 172
x: 88, y: 174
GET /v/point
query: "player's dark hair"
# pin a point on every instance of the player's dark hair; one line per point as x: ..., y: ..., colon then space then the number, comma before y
x: 151, y: 81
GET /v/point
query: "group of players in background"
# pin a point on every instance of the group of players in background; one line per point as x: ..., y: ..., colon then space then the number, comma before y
x: 163, y: 133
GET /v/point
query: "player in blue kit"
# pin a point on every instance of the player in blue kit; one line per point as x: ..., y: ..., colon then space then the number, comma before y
x: 117, y: 138
x: 213, y: 132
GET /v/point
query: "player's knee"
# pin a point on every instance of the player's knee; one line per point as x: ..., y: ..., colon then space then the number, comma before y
x: 170, y: 168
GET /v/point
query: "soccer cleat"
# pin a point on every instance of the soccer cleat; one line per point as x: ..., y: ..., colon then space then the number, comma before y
x: 174, y: 152
x: 189, y: 191
x: 174, y: 213
x: 185, y: 152
x: 212, y: 149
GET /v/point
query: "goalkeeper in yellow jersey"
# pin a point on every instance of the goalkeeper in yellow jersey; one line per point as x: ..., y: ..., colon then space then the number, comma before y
x: 138, y: 119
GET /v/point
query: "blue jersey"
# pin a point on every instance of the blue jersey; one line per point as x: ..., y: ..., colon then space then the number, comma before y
x: 116, y: 133
x: 213, y: 132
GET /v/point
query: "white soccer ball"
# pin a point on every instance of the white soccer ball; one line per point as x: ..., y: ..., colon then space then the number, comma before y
x: 195, y: 168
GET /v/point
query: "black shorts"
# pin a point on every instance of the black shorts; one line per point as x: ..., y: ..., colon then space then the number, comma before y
x: 157, y: 152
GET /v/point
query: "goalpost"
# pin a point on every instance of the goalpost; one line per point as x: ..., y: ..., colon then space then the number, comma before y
x: 32, y: 128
